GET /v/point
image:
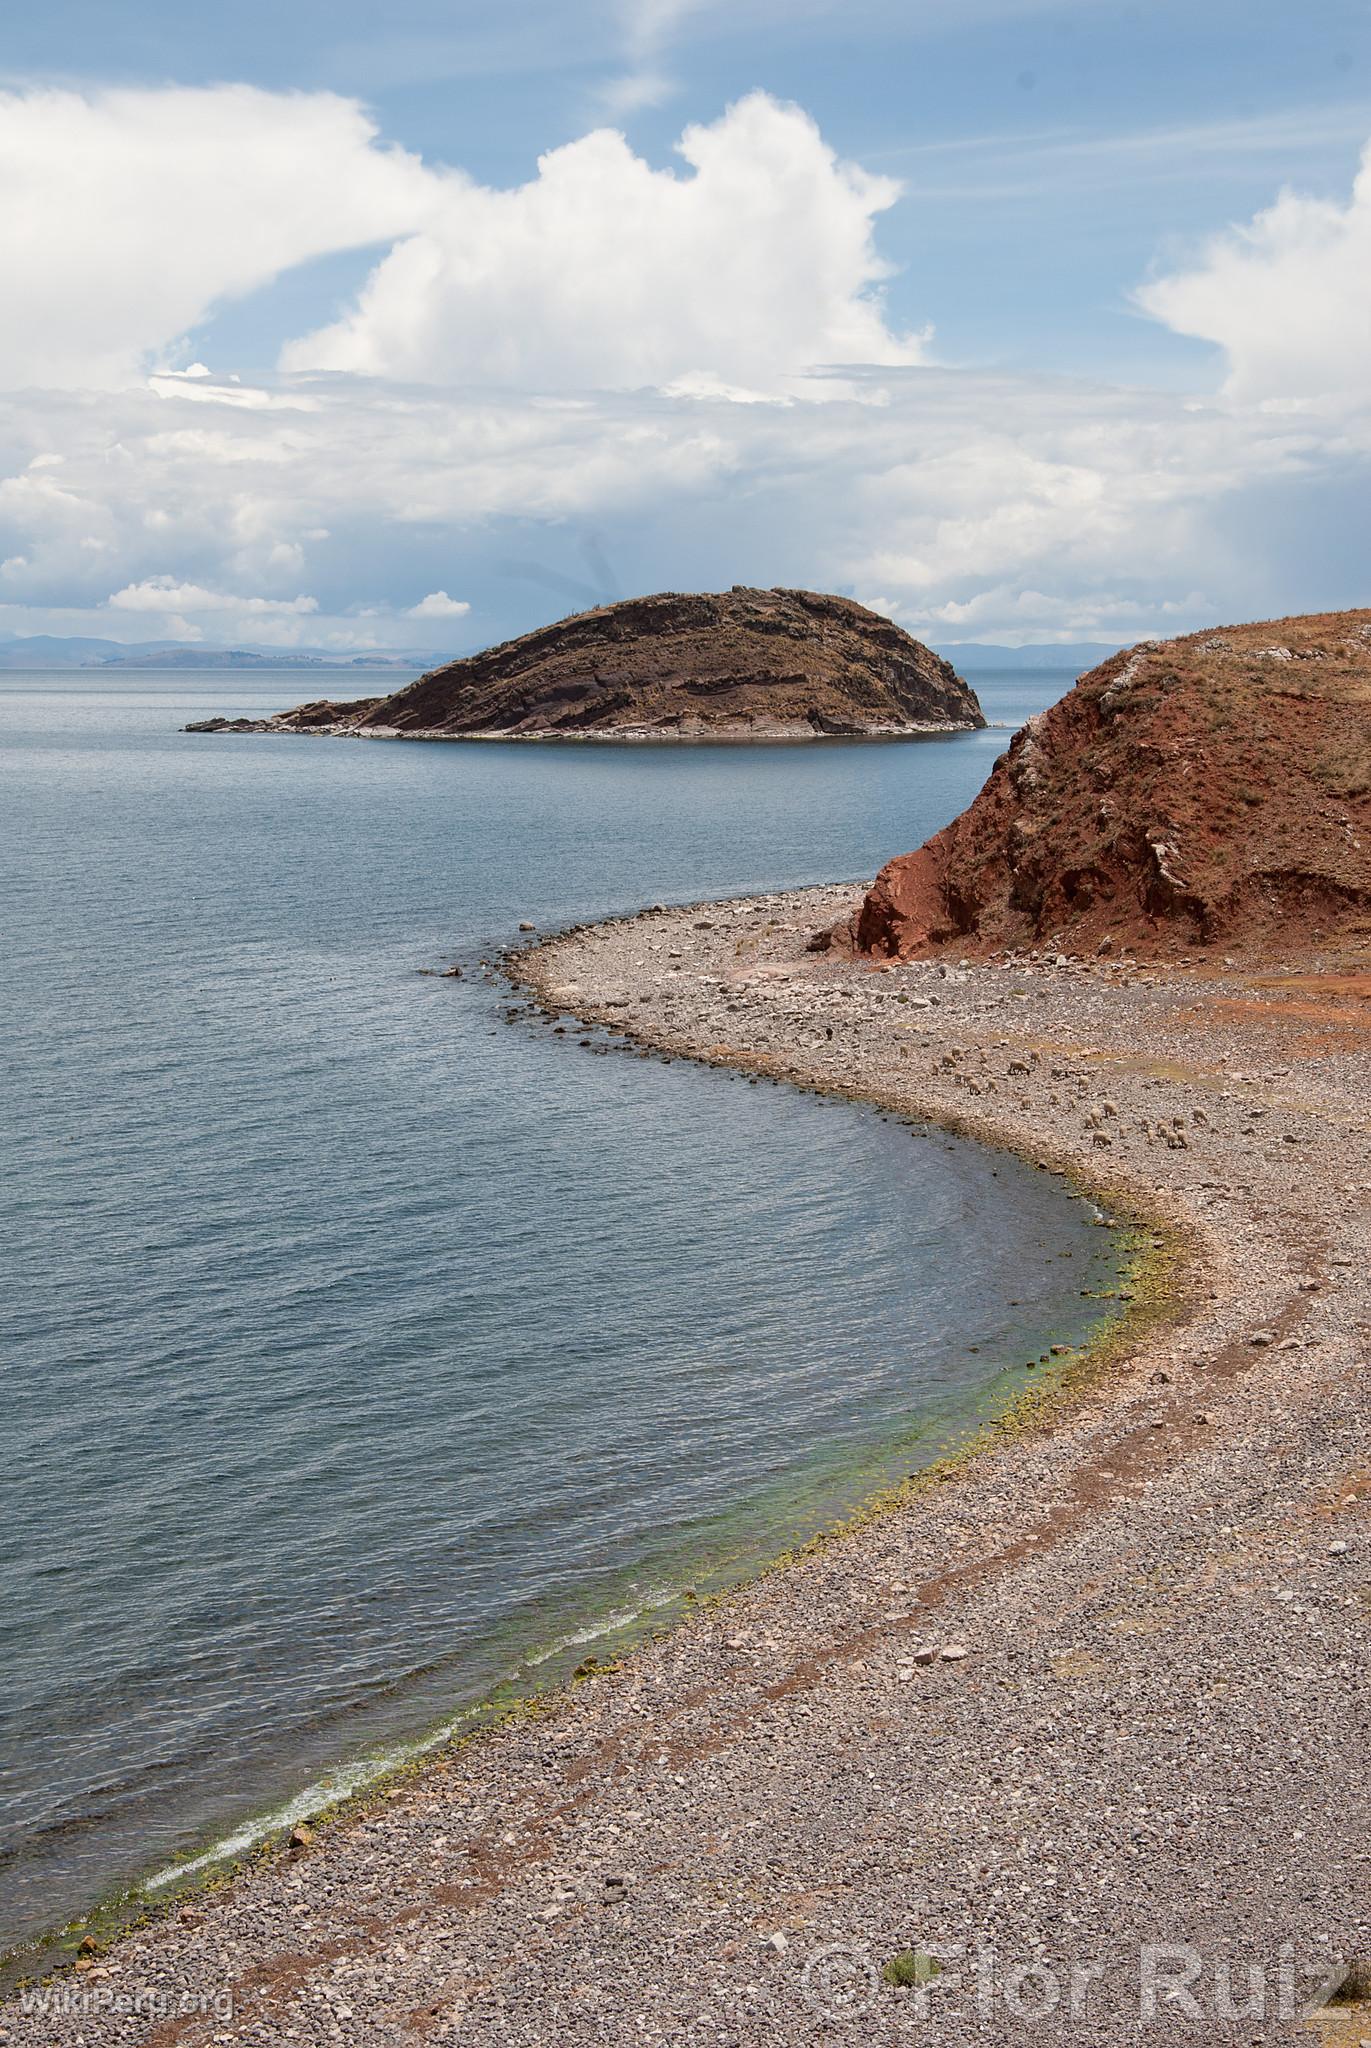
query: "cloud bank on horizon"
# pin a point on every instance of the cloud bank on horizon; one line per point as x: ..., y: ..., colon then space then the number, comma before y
x: 614, y: 373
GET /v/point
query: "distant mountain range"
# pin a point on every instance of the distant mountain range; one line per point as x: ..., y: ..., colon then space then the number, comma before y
x: 48, y: 651
x: 247, y: 657
x: 1073, y: 654
x: 45, y: 650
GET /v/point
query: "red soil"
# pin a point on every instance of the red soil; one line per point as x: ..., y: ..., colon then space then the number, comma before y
x: 1211, y: 791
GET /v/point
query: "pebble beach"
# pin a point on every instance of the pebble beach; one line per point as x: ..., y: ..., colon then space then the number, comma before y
x: 1068, y: 1743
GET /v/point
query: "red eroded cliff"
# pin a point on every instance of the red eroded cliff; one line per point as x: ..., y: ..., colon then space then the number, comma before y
x: 1210, y: 790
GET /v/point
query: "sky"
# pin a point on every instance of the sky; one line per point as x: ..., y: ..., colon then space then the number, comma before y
x: 414, y: 327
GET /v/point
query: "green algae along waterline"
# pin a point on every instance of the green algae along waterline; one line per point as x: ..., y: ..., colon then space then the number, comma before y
x: 369, y: 1357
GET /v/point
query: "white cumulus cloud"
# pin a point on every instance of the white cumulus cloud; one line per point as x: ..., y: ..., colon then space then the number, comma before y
x: 609, y: 364
x: 125, y: 215
x: 751, y: 266
x: 1287, y: 297
x: 969, y: 506
x: 164, y: 593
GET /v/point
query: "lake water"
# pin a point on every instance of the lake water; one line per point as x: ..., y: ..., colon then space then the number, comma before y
x: 366, y: 1354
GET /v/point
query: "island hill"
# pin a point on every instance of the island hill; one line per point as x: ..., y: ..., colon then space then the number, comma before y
x: 735, y: 665
x: 1213, y: 790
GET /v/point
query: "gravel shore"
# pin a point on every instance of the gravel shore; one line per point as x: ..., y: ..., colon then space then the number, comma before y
x: 1084, y: 1731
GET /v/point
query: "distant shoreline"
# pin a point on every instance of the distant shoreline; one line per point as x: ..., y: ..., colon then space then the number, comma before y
x: 630, y: 736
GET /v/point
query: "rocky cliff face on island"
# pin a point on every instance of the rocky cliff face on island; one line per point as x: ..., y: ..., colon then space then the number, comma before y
x: 739, y: 664
x: 1211, y: 790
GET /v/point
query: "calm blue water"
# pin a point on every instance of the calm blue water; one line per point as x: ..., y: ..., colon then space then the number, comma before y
x: 363, y: 1347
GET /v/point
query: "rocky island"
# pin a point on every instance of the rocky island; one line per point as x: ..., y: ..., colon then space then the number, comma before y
x: 739, y: 664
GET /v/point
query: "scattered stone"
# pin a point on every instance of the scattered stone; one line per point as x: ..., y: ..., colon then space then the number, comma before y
x: 1042, y: 1792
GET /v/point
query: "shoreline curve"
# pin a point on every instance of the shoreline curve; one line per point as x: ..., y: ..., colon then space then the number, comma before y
x: 1032, y: 1558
